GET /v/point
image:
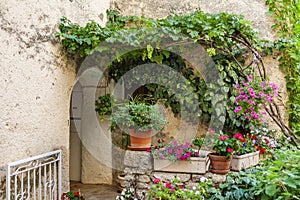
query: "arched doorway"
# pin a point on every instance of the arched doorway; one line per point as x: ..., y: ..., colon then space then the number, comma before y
x: 90, y: 140
x: 75, y: 132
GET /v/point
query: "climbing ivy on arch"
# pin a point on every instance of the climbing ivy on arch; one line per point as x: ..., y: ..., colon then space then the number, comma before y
x: 228, y: 39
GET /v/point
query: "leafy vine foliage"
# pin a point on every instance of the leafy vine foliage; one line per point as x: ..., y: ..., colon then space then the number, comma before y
x: 287, y: 15
x: 227, y: 38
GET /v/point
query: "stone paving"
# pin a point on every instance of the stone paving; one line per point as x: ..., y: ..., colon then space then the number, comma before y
x: 96, y: 191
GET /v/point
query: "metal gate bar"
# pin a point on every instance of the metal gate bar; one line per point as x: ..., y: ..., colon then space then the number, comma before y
x: 37, y: 178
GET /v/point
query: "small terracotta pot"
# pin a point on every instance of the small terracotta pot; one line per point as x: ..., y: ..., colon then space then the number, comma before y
x: 140, y: 140
x: 219, y: 164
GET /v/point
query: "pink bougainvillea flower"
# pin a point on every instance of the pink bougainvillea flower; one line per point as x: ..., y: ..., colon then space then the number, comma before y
x: 236, y: 86
x: 245, y: 84
x: 261, y: 94
x: 223, y: 137
x: 229, y: 150
x: 238, y: 136
x: 168, y: 184
x: 269, y: 99
x: 256, y: 116
x: 238, y: 109
x: 251, y: 102
x: 157, y: 180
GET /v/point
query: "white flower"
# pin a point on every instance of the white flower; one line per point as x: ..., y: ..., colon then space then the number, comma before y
x: 194, y: 188
x: 197, y: 192
x: 203, y: 179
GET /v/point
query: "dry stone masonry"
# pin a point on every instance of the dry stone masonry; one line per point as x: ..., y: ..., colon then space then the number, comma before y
x: 140, y: 175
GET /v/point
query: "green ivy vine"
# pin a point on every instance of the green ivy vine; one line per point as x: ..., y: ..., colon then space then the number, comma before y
x: 226, y: 37
x: 287, y: 15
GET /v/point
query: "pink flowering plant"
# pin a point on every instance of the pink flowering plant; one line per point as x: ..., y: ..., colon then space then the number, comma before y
x: 174, y: 189
x: 172, y: 151
x: 224, y: 145
x: 251, y: 98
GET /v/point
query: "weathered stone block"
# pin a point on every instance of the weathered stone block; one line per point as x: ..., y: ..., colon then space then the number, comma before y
x: 192, y: 186
x: 196, y: 177
x: 216, y: 178
x: 142, y: 185
x: 144, y: 179
x: 138, y: 159
x: 165, y: 176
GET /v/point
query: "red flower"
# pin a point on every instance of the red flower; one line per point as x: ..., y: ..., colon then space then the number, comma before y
x: 172, y: 190
x: 157, y: 180
x: 168, y: 184
x: 181, y: 186
x: 238, y: 136
x: 229, y: 150
x: 262, y: 150
x: 63, y: 196
x: 266, y: 140
x: 77, y: 194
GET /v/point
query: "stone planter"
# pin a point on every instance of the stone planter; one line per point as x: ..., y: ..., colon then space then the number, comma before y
x: 244, y: 161
x: 197, y: 165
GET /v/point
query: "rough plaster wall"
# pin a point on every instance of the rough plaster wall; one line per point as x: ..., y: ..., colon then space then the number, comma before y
x: 36, y: 78
x: 253, y: 10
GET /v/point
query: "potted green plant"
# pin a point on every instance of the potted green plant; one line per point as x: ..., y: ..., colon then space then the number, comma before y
x: 139, y: 119
x: 245, y: 154
x: 224, y: 147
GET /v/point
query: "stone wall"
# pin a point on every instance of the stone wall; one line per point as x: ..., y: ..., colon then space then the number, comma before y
x: 37, y: 78
x: 254, y: 11
x: 139, y: 173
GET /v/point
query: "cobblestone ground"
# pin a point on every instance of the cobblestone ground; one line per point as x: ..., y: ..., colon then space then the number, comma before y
x: 96, y: 191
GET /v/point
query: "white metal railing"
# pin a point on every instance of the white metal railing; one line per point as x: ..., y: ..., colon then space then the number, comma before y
x: 36, y: 178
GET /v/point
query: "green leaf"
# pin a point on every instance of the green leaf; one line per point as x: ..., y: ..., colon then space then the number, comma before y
x: 270, y: 190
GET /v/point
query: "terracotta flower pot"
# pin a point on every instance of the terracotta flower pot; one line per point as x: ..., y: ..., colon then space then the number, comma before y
x: 219, y: 164
x: 140, y: 140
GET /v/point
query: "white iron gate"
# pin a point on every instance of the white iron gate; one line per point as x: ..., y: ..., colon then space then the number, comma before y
x: 35, y: 178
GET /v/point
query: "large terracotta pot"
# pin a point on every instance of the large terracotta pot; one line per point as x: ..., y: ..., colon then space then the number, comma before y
x: 219, y: 164
x: 140, y: 140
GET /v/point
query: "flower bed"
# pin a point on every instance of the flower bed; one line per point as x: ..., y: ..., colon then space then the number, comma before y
x: 196, y: 165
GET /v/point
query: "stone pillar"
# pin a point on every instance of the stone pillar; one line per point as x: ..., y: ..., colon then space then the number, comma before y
x: 138, y: 168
